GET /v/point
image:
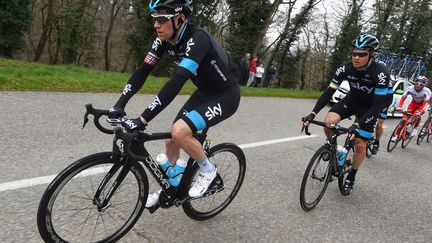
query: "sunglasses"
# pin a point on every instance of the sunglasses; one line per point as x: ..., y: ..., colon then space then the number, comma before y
x: 420, y: 84
x: 162, y: 19
x: 359, y: 54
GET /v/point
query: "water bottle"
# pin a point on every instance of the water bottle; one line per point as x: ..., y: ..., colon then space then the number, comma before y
x: 342, y: 153
x: 175, y: 173
x: 163, y: 162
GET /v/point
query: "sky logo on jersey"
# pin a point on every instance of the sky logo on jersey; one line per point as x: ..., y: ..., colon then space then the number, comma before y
x: 339, y: 70
x: 131, y: 124
x: 188, y: 46
x: 156, y: 44
x: 213, y: 112
x: 127, y: 89
x: 365, y: 89
x: 151, y: 59
x: 382, y: 78
x: 156, y: 102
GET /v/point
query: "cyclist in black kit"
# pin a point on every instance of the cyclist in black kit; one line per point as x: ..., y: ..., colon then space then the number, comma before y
x: 379, y: 129
x: 199, y: 58
x: 369, y: 82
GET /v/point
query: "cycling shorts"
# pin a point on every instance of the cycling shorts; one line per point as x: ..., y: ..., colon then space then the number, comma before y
x: 345, y: 109
x: 203, y: 110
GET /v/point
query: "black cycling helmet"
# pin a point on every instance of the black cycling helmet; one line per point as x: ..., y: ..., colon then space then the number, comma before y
x: 366, y: 42
x: 171, y: 6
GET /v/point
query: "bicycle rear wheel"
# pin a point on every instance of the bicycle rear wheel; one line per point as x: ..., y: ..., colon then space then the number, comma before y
x: 68, y: 212
x: 394, y: 140
x: 231, y: 165
x: 316, y: 178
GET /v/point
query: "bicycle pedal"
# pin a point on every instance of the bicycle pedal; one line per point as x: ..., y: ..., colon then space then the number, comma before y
x: 153, y: 209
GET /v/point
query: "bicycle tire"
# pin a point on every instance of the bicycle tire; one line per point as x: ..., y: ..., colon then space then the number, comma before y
x: 428, y: 130
x: 325, y: 178
x: 224, y: 156
x: 391, y: 145
x: 369, y: 148
x: 407, y: 139
x: 82, y: 172
x: 423, y: 133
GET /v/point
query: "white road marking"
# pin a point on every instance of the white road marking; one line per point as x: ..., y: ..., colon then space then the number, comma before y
x: 13, y: 185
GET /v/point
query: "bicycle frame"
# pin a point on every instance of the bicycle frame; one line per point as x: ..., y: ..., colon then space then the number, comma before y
x: 410, y: 121
x: 129, y: 149
x: 332, y: 142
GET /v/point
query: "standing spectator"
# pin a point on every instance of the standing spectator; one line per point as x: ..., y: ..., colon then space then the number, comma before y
x: 252, y: 71
x: 245, y: 64
x: 271, y: 72
x: 258, y: 75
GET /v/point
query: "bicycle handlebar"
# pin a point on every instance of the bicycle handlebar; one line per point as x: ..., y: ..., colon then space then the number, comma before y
x: 333, y: 127
x: 97, y: 113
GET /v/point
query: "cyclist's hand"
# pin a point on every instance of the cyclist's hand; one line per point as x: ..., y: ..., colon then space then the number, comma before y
x: 307, y: 119
x: 116, y: 112
x: 418, y: 114
x: 353, y: 129
x: 132, y: 125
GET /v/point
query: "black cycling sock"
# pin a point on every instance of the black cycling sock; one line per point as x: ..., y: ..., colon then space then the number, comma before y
x: 376, y: 142
x: 351, y: 175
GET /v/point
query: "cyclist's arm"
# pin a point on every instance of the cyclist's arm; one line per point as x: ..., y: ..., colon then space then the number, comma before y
x: 136, y: 81
x: 402, y: 100
x: 379, y: 98
x: 323, y: 100
x: 197, y: 47
x: 138, y: 78
x: 168, y: 92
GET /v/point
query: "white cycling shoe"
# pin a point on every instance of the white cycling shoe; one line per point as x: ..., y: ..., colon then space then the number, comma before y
x: 203, y: 182
x: 153, y: 199
x: 414, y: 132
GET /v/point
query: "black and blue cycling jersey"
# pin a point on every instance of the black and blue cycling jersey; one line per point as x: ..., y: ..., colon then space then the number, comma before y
x: 200, y: 58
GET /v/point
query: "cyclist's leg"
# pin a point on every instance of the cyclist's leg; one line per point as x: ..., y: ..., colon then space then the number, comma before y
x: 337, y: 113
x: 366, y: 131
x: 200, y: 112
x: 209, y: 110
x: 172, y: 148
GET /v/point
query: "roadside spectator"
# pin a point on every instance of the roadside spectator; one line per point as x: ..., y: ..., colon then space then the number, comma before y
x: 244, y: 66
x: 271, y: 72
x: 258, y: 75
x: 252, y: 71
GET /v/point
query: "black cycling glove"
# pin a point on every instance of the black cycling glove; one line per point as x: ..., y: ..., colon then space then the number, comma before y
x: 134, y: 125
x: 116, y: 112
x: 353, y: 129
x: 309, y: 117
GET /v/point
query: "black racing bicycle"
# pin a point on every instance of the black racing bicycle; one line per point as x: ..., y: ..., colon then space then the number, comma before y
x: 100, y: 197
x: 324, y: 167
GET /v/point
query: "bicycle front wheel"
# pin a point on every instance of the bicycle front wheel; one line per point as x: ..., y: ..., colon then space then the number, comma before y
x: 394, y: 140
x: 316, y: 178
x: 407, y: 139
x: 369, y: 148
x: 231, y: 165
x: 68, y: 211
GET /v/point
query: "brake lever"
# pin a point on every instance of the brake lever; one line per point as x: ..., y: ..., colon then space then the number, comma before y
x: 85, y: 119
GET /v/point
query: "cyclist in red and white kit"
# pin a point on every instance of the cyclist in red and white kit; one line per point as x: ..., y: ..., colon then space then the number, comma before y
x: 420, y: 100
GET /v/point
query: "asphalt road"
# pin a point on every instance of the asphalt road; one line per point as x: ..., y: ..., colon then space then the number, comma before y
x: 41, y: 134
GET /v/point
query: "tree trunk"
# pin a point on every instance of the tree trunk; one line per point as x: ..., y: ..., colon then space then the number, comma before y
x: 47, y: 26
x: 113, y: 14
x: 265, y: 27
